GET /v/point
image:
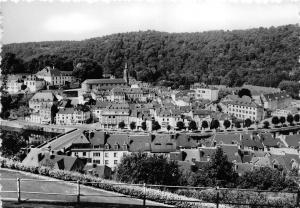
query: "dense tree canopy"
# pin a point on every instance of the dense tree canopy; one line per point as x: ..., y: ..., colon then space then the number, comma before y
x: 151, y: 169
x: 262, y: 56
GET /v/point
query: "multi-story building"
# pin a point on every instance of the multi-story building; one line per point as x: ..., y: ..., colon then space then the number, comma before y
x: 69, y: 116
x: 113, y: 115
x: 55, y: 77
x: 274, y: 101
x: 42, y: 98
x: 203, y: 92
x: 34, y: 84
x: 105, y: 84
x: 243, y: 108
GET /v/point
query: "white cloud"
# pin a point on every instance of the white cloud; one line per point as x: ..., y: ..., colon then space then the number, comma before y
x: 72, y: 23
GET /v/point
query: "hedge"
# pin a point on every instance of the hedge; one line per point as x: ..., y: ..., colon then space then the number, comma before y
x: 126, y: 189
x: 208, y: 195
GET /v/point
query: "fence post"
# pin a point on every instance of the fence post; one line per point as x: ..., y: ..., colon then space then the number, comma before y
x: 19, y: 189
x: 144, y: 199
x: 218, y: 197
x: 78, y: 191
x: 298, y: 198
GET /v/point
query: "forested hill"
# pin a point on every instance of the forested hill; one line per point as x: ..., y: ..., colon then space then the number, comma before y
x: 262, y: 56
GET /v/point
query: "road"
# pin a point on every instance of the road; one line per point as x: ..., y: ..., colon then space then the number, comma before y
x: 104, y: 198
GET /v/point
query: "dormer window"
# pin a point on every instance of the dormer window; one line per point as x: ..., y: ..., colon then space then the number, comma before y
x: 116, y: 146
x: 107, y: 146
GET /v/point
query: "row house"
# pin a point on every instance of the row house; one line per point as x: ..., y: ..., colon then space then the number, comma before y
x: 169, y: 117
x: 69, y: 116
x: 113, y: 115
x: 44, y: 98
x: 242, y: 108
x: 274, y: 101
x: 55, y: 77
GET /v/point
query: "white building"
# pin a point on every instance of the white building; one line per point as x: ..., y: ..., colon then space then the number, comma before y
x: 54, y: 77
x: 34, y: 83
x: 203, y: 92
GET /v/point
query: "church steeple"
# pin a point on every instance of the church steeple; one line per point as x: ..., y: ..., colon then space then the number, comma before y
x: 125, y: 75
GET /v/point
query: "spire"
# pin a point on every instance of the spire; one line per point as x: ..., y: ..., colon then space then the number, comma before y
x: 125, y: 75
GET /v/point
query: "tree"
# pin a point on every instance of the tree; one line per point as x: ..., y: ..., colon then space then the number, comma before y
x: 11, y: 144
x: 227, y: 124
x: 291, y: 87
x: 282, y: 120
x: 218, y: 172
x: 23, y: 87
x: 168, y: 127
x: 122, y: 125
x: 204, y: 124
x: 85, y: 68
x: 155, y: 126
x: 132, y: 125
x: 192, y: 125
x: 244, y: 92
x: 214, y: 124
x: 144, y: 125
x: 290, y: 119
x: 266, y: 178
x: 297, y: 117
x: 266, y: 124
x: 237, y: 125
x: 248, y: 122
x: 275, y: 120
x: 180, y: 125
x: 151, y: 169
x: 10, y: 64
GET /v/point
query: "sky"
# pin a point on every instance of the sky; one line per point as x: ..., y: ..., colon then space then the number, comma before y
x: 78, y: 20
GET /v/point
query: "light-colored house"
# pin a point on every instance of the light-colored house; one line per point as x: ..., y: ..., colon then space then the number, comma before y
x: 55, y: 77
x: 274, y: 101
x: 42, y: 98
x: 70, y: 116
x: 204, y: 92
x: 34, y: 83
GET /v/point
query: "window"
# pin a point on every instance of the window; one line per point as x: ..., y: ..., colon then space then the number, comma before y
x: 106, y: 162
x: 96, y: 154
x: 84, y: 154
x: 106, y: 154
x: 96, y: 161
x: 115, y: 154
x: 76, y: 153
x: 115, y: 162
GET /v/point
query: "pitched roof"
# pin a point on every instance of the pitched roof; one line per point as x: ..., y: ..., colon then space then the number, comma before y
x: 268, y: 140
x: 48, y: 71
x: 251, y: 141
x: 185, y: 141
x: 139, y: 143
x: 231, y: 150
x: 44, y: 96
x: 293, y: 140
x: 163, y: 143
x: 104, y: 81
x: 276, y: 96
x: 191, y: 155
x: 228, y: 138
x: 98, y: 138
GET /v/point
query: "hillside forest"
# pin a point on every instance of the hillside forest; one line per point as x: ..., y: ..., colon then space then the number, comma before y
x: 259, y: 56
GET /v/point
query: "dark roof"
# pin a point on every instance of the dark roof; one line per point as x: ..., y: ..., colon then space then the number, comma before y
x: 99, y: 138
x: 268, y: 140
x: 117, y: 139
x: 251, y: 141
x: 293, y: 140
x: 62, y: 162
x: 163, y: 143
x: 185, y: 141
x: 232, y: 152
x: 229, y: 138
x: 139, y: 143
x: 104, y: 81
x: 276, y: 96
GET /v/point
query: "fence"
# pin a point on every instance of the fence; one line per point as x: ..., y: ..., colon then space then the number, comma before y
x: 217, y: 200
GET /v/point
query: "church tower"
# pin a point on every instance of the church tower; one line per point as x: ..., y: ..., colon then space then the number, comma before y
x: 125, y: 75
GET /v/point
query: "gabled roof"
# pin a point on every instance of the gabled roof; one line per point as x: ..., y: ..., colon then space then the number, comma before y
x: 268, y: 140
x: 251, y: 141
x: 191, y: 154
x: 48, y: 71
x: 231, y: 150
x: 163, y: 143
x: 293, y: 140
x: 117, y: 139
x: 99, y: 138
x: 229, y: 138
x: 104, y: 81
x: 185, y: 141
x: 66, y: 141
x: 139, y: 143
x: 44, y: 96
x: 276, y: 96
